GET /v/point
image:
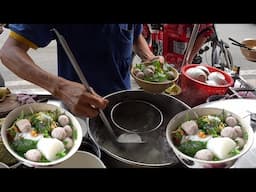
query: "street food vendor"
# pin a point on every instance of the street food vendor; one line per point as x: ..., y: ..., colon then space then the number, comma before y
x: 103, y: 51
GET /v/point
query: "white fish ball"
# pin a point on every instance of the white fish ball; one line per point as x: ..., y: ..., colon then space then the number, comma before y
x: 228, y: 132
x: 33, y: 155
x: 68, y: 130
x: 240, y: 142
x: 63, y: 120
x: 190, y: 127
x: 231, y: 121
x: 59, y: 133
x: 68, y: 142
x: 204, y: 154
x: 238, y: 130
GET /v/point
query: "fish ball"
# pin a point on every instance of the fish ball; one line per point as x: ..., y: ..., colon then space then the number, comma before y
x: 204, y: 154
x: 231, y: 121
x: 63, y: 120
x: 59, y: 133
x: 190, y: 127
x: 68, y: 130
x: 68, y: 142
x: 228, y: 132
x: 33, y: 155
x: 238, y: 130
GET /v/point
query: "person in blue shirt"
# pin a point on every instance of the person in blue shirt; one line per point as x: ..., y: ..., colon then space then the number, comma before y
x: 2, y: 83
x: 103, y: 51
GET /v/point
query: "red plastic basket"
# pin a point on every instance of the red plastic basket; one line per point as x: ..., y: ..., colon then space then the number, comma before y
x: 196, y: 92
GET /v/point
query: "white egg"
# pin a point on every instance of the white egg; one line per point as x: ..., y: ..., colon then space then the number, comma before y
x: 197, y: 74
x: 221, y: 146
x: 27, y: 135
x: 218, y: 77
x: 50, y: 147
x: 211, y: 82
x: 205, y: 69
x: 213, y: 118
x: 197, y: 138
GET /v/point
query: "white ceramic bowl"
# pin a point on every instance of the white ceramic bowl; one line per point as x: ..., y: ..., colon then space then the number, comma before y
x: 37, y: 107
x: 197, y: 163
x: 82, y: 159
x: 3, y: 166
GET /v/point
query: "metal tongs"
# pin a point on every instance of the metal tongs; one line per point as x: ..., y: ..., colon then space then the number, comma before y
x: 124, y: 138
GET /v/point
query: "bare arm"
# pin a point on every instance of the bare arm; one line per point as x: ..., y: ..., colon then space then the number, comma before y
x: 142, y: 49
x: 14, y: 56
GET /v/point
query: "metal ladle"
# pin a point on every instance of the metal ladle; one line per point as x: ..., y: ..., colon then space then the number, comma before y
x: 123, y: 138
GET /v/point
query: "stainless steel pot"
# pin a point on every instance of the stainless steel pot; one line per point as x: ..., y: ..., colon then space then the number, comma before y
x: 155, y: 152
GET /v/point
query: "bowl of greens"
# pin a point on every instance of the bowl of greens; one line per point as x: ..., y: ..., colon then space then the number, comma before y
x: 154, y: 77
x: 209, y: 137
x: 41, y: 134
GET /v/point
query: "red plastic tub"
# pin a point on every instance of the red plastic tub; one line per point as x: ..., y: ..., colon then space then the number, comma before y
x: 195, y: 92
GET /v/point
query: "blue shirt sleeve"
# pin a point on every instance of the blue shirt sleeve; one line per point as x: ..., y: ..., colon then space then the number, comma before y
x: 39, y: 34
x: 137, y: 30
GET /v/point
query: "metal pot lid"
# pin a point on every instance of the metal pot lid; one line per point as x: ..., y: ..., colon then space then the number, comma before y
x: 156, y: 151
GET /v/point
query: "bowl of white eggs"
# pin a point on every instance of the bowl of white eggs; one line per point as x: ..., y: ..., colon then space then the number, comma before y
x: 198, y: 82
x: 209, y: 137
x: 41, y: 134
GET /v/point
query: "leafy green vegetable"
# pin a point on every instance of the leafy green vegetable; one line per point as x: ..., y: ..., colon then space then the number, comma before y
x: 245, y: 135
x: 234, y: 151
x: 43, y: 159
x: 160, y: 73
x: 191, y: 147
x: 54, y: 114
x: 74, y: 134
x: 215, y: 158
x: 22, y: 145
x: 211, y: 126
x: 42, y: 122
x: 61, y: 154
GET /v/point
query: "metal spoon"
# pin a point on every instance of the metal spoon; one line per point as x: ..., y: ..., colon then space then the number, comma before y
x: 124, y: 138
